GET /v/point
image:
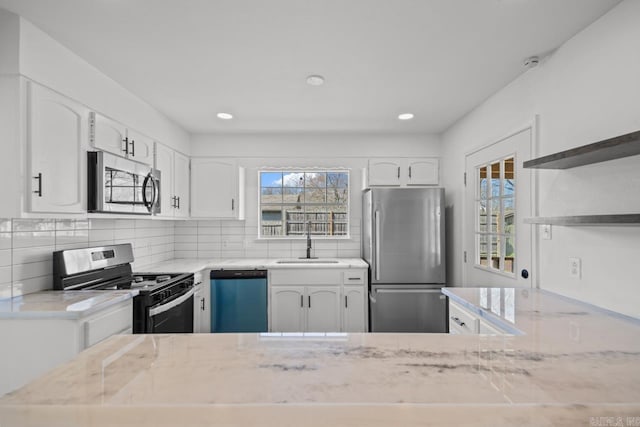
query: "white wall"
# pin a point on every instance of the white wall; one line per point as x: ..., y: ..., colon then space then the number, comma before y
x: 48, y: 62
x: 232, y: 239
x: 585, y: 91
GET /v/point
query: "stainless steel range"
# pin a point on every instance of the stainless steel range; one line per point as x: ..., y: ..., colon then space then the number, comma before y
x: 164, y: 303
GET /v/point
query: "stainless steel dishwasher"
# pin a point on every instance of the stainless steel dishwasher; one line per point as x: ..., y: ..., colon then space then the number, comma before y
x: 239, y: 301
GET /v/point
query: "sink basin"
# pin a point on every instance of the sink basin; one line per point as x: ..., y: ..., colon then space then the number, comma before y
x: 307, y: 261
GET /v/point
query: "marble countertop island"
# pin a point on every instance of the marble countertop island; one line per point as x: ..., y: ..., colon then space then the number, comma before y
x: 61, y: 304
x: 573, y: 365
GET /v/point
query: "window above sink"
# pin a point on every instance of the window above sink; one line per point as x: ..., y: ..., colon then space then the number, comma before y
x: 296, y: 201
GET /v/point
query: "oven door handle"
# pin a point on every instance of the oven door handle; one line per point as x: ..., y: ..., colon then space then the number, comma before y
x: 171, y: 304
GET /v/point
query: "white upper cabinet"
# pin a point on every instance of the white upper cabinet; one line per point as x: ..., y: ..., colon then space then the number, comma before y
x: 423, y: 172
x: 56, y: 127
x: 174, y: 182
x: 385, y: 172
x: 140, y: 147
x: 181, y: 184
x: 217, y: 188
x: 403, y: 172
x: 108, y: 135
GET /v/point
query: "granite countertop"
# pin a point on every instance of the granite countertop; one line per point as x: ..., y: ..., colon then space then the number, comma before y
x: 573, y: 365
x: 189, y: 265
x: 61, y: 304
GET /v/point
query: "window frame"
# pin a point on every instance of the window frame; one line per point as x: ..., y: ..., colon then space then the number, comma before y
x: 501, y: 197
x: 303, y: 170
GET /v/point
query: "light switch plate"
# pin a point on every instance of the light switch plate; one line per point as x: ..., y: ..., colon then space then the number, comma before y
x: 546, y: 231
x: 575, y: 268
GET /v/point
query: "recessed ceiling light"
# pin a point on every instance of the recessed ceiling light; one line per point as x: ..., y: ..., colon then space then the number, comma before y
x: 315, y: 80
x: 405, y: 116
x: 225, y: 116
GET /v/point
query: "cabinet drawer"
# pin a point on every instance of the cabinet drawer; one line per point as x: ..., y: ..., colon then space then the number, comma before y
x: 354, y: 277
x: 306, y: 276
x: 461, y: 321
x: 107, y: 324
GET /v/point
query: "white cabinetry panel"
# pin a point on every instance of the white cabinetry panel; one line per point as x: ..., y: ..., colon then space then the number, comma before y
x: 56, y: 128
x: 323, y: 309
x: 216, y: 188
x: 287, y: 309
x: 400, y: 172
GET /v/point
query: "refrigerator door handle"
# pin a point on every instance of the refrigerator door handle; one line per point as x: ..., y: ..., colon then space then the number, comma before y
x: 376, y: 261
x: 372, y: 298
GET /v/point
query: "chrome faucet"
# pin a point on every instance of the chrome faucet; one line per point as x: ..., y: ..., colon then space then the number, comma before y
x: 309, y: 240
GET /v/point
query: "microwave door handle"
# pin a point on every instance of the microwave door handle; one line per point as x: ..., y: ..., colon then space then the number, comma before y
x: 148, y: 203
x: 156, y: 193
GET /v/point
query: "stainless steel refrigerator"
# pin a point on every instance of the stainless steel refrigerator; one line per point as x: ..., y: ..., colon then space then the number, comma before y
x: 403, y: 243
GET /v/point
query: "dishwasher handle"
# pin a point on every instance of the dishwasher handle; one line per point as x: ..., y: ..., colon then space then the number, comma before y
x: 238, y: 274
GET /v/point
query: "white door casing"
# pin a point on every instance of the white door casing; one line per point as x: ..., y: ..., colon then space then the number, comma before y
x: 519, y: 145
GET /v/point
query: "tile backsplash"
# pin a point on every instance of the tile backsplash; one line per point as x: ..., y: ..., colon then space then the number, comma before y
x: 239, y: 239
x: 26, y: 246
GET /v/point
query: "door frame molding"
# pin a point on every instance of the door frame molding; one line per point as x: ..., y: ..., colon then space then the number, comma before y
x: 532, y: 124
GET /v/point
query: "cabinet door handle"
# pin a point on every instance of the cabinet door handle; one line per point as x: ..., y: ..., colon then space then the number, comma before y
x: 346, y: 302
x: 233, y: 204
x: 178, y: 202
x: 301, y: 300
x: 353, y: 278
x: 409, y: 171
x: 309, y: 297
x: 202, y: 306
x: 133, y: 148
x: 39, y: 190
x: 126, y: 145
x: 398, y: 172
x: 458, y: 321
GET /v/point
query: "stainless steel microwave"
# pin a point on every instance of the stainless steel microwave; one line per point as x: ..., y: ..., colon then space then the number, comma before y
x: 119, y: 185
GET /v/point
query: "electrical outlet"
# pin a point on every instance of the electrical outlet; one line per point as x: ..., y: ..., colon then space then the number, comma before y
x: 575, y: 268
x: 546, y: 232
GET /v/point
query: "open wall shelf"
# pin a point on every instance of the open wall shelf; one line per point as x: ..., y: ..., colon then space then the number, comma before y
x: 613, y: 219
x: 609, y: 149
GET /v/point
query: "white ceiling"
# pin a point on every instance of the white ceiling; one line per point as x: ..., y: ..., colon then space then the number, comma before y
x: 193, y: 58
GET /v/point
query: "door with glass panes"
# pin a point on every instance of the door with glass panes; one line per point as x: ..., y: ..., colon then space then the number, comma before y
x: 497, y: 199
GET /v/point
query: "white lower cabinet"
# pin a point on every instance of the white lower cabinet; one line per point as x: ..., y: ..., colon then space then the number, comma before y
x: 288, y: 313
x: 464, y: 322
x: 23, y: 357
x: 318, y: 300
x: 201, y: 304
x: 354, y: 316
x: 323, y: 309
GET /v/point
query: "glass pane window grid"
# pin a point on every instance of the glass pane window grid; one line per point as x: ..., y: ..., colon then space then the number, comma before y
x: 495, y: 215
x: 291, y: 202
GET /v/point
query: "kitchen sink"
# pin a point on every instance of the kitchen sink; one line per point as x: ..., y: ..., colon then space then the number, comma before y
x: 307, y: 261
